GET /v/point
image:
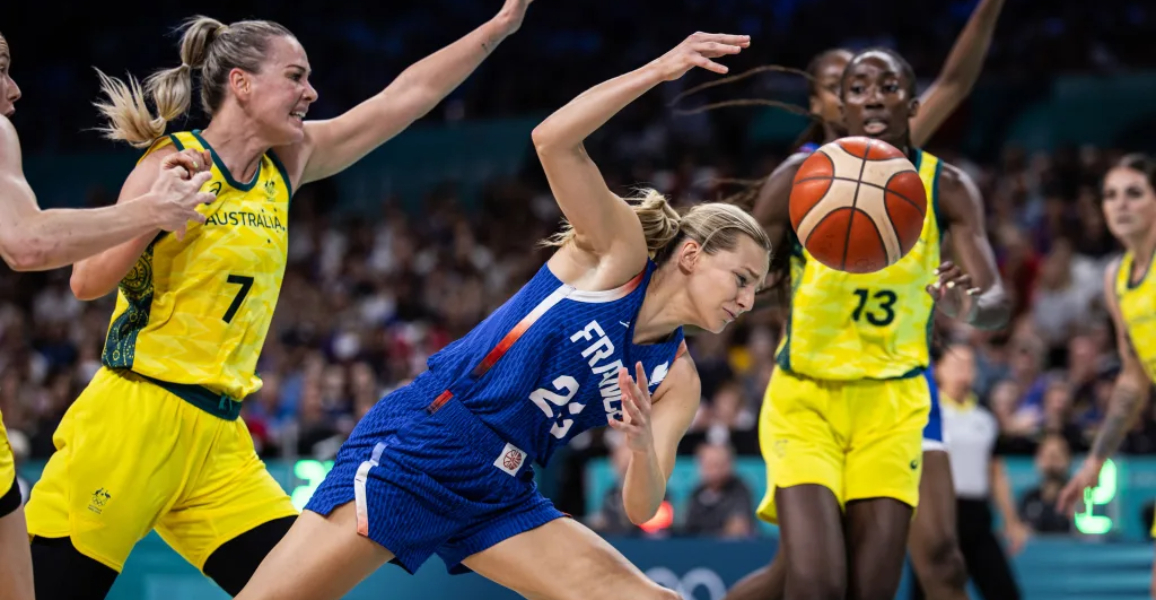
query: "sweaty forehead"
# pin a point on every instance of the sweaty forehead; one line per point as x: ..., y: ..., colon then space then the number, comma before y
x: 4, y: 55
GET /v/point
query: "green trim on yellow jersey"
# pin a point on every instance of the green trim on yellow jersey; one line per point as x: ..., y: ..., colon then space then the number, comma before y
x: 244, y: 187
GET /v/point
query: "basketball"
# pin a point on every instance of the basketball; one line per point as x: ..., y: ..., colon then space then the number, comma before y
x: 857, y: 205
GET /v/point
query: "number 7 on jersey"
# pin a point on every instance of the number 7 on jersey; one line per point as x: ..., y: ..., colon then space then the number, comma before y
x: 246, y: 284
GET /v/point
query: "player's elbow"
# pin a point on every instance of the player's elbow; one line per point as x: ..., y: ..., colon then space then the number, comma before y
x: 83, y: 286
x: 546, y: 139
x: 640, y: 510
x: 639, y: 517
x: 25, y: 253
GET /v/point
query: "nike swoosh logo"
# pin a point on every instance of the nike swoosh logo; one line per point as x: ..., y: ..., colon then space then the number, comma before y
x: 624, y: 324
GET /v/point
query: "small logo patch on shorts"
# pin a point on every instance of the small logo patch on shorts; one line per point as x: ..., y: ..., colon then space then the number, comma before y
x: 99, y: 499
x: 510, y: 460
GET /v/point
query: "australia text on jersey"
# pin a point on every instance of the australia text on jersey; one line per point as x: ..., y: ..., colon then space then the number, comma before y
x: 245, y: 218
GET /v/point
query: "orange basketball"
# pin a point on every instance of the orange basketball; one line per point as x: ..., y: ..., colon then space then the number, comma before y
x: 857, y: 205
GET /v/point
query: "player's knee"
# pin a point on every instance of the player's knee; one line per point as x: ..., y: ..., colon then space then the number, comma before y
x: 945, y: 565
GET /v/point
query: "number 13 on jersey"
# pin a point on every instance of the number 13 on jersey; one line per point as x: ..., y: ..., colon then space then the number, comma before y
x: 876, y: 307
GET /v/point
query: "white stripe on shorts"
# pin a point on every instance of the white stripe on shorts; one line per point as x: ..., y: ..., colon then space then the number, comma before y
x: 359, y: 489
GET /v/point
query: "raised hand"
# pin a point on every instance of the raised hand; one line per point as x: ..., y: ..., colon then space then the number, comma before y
x: 697, y: 51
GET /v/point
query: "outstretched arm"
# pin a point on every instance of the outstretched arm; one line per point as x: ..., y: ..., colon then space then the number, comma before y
x: 973, y: 294
x: 603, y: 223
x: 1129, y: 396
x: 959, y: 73
x: 331, y: 146
x: 35, y: 240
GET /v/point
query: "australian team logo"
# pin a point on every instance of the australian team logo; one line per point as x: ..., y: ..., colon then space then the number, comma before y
x: 99, y: 499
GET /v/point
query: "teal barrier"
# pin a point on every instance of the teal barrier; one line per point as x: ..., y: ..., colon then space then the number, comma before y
x: 1088, y: 568
x: 1127, y: 485
x: 701, y: 569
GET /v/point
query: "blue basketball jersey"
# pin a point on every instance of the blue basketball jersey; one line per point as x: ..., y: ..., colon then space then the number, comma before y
x: 544, y: 367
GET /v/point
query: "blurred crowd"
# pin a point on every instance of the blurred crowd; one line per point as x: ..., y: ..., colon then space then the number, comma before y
x: 365, y: 303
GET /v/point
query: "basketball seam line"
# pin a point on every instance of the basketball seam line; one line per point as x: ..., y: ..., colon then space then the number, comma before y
x: 867, y: 183
x: 793, y: 182
x: 854, y: 203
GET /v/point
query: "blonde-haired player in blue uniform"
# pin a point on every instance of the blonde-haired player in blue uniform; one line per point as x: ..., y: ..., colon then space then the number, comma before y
x: 34, y: 240
x: 154, y: 441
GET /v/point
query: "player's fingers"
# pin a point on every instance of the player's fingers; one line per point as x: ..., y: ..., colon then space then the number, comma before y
x: 714, y: 49
x: 962, y: 281
x: 205, y: 198
x: 624, y: 381
x: 200, y: 179
x: 640, y: 377
x: 701, y: 61
x: 635, y: 413
x: 1065, y: 500
x: 197, y: 218
x: 944, y: 266
x: 934, y: 290
x: 723, y: 38
x: 180, y: 233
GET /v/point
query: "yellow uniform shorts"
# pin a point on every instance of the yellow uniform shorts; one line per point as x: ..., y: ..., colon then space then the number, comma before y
x: 131, y: 456
x: 7, y: 461
x: 859, y: 439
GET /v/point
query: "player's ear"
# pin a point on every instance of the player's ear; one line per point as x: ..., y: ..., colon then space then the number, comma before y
x: 688, y: 255
x: 912, y: 108
x: 816, y: 105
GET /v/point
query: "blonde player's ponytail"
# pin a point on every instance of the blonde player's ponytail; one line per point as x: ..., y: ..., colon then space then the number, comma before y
x: 208, y: 46
x: 658, y: 218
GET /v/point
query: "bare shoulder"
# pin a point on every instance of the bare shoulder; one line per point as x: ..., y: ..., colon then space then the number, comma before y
x: 146, y: 172
x: 682, y: 380
x: 790, y: 166
x: 958, y: 195
x: 10, y: 157
x: 954, y: 180
x: 294, y: 156
x: 1111, y: 272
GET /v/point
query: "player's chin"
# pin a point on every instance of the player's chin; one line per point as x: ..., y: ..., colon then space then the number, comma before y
x: 718, y: 325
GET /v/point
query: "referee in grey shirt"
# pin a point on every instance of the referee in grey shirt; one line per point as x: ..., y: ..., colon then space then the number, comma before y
x: 970, y: 432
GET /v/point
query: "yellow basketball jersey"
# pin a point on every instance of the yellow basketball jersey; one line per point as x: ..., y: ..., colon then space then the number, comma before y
x: 196, y: 311
x: 847, y: 326
x: 1138, y: 308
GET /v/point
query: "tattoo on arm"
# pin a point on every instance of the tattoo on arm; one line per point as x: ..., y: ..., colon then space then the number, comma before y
x: 1121, y: 408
